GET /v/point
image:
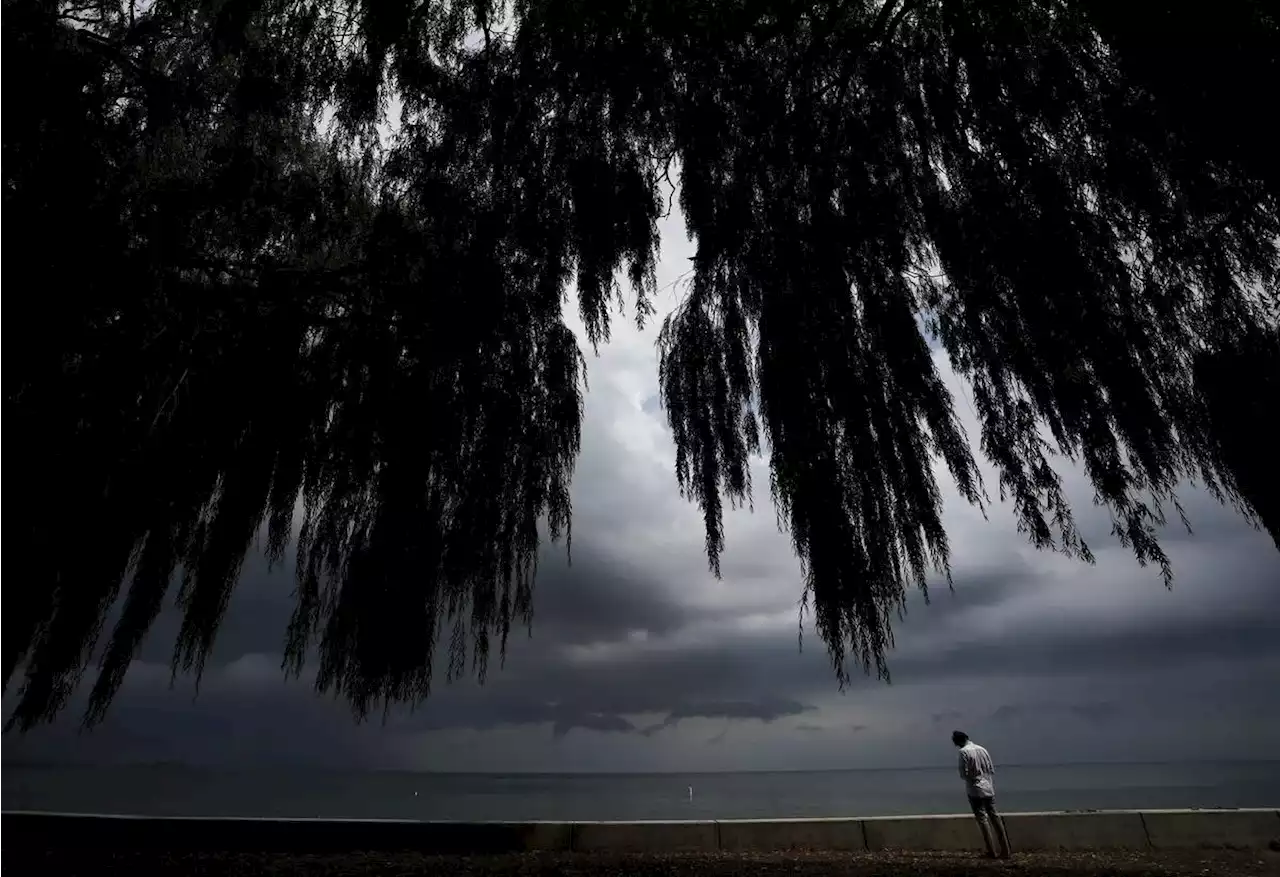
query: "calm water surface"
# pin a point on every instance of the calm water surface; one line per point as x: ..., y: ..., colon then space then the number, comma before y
x: 167, y: 790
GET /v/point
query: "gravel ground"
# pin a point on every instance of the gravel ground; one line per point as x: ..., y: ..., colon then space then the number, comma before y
x: 800, y: 864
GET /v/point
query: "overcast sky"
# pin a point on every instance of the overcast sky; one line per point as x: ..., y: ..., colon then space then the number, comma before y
x: 640, y: 660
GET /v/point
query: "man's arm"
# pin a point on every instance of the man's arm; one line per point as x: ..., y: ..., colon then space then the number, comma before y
x: 967, y: 767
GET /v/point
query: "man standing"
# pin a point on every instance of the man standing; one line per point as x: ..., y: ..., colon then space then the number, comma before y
x: 978, y: 773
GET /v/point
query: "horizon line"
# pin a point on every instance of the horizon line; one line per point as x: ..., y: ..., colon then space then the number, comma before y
x: 161, y: 763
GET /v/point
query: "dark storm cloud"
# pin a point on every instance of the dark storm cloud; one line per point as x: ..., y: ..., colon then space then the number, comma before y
x: 226, y: 723
x: 721, y: 675
x: 593, y: 722
x: 765, y: 710
x: 480, y: 712
x: 1102, y: 711
x: 1067, y: 619
x: 499, y: 707
x: 595, y: 599
x: 1239, y: 689
x: 946, y: 717
x: 587, y: 600
x: 1093, y: 712
x: 1151, y: 643
x: 622, y: 645
x: 507, y: 703
x: 246, y: 713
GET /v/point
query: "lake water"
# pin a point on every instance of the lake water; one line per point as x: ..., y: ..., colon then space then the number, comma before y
x: 168, y: 790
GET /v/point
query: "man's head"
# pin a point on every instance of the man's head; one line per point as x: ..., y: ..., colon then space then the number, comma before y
x: 959, y: 738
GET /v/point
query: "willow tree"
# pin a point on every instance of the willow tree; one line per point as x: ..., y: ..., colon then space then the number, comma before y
x: 245, y: 305
x: 1241, y: 383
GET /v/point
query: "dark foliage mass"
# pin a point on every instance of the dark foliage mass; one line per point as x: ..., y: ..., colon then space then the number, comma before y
x: 1241, y: 383
x: 244, y: 305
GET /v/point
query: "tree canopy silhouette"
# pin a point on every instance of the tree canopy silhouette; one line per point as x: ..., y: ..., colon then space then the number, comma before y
x: 245, y: 305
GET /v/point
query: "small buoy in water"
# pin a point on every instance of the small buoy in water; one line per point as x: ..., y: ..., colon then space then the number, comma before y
x: 691, y: 793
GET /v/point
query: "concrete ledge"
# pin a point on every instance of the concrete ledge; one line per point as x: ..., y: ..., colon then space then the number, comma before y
x: 1231, y: 829
x: 922, y: 833
x: 1099, y: 830
x: 639, y: 837
x: 792, y: 834
x: 1076, y: 831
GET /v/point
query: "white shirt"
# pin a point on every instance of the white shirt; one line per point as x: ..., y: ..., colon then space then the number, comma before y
x: 977, y: 770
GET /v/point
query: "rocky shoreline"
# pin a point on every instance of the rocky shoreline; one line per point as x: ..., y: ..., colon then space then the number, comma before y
x: 1181, y: 863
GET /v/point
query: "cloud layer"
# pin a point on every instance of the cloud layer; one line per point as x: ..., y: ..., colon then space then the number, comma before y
x: 640, y: 660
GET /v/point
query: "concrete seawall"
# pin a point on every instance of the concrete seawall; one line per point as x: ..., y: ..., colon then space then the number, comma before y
x: 1073, y: 830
